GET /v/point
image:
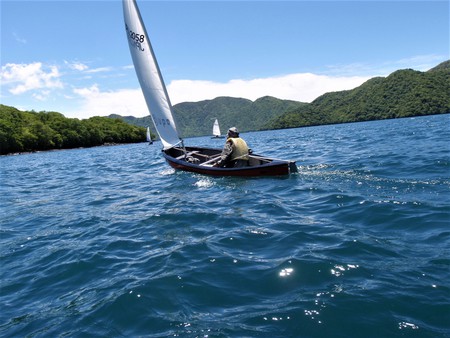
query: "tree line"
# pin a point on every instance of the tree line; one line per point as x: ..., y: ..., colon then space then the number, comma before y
x: 26, y: 131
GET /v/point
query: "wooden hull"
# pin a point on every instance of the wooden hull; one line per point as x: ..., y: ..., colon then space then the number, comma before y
x: 201, y: 160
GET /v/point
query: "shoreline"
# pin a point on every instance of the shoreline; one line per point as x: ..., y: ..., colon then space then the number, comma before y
x: 109, y: 144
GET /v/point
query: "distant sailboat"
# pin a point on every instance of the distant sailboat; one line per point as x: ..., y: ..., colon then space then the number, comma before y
x: 195, y: 159
x: 216, y: 130
x: 149, y: 138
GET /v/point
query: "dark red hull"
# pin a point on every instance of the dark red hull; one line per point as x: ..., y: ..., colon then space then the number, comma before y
x: 199, y: 160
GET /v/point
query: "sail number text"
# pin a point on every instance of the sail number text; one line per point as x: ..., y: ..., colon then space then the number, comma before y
x: 135, y: 39
x: 162, y: 122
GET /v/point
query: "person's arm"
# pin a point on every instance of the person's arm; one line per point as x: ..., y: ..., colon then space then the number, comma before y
x: 226, y: 153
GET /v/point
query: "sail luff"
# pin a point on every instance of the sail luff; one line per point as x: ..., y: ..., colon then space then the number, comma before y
x: 149, y: 75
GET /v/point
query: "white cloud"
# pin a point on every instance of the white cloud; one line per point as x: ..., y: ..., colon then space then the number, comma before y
x: 25, y: 77
x: 299, y: 87
x: 92, y: 91
x: 42, y: 96
x: 85, y: 68
x: 304, y: 87
x: 76, y: 65
x: 99, y: 70
x: 421, y: 62
x: 96, y: 103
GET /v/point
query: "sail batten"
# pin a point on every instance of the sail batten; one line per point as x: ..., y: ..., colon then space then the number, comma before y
x: 149, y: 76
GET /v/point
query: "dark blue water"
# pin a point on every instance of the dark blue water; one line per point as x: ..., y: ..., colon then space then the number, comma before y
x: 111, y: 242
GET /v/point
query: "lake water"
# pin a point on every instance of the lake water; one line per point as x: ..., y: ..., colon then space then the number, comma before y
x: 112, y: 242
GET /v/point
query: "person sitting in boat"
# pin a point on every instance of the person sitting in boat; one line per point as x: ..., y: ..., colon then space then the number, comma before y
x: 235, y: 151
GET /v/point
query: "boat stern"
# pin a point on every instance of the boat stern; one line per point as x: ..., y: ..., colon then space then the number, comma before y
x: 293, y: 167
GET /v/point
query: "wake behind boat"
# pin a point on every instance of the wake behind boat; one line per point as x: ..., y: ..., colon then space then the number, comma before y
x: 193, y: 159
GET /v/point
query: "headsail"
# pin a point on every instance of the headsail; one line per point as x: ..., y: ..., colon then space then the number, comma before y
x: 216, y: 128
x: 149, y: 75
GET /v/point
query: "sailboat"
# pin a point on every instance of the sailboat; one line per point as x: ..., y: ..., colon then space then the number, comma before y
x: 149, y: 138
x: 177, y: 155
x: 216, y: 130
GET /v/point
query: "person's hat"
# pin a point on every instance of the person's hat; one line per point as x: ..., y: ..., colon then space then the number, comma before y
x: 233, y: 130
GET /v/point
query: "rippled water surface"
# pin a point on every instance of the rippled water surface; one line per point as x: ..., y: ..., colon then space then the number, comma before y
x: 111, y: 242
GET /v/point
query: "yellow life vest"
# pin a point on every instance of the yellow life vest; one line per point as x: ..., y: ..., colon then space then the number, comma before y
x: 240, y: 149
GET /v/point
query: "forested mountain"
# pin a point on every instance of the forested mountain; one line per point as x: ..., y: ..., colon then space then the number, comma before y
x: 197, y: 118
x: 22, y: 131
x: 403, y: 93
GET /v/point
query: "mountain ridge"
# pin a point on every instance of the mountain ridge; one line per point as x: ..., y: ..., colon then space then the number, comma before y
x: 402, y: 93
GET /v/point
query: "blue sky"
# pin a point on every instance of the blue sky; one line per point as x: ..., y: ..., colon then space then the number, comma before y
x: 73, y: 57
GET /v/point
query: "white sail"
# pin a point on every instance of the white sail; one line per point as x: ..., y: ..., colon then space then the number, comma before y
x: 149, y: 75
x: 216, y: 128
x: 149, y: 139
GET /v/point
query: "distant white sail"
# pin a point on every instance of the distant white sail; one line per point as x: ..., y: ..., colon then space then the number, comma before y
x: 149, y: 138
x: 216, y: 128
x: 149, y: 75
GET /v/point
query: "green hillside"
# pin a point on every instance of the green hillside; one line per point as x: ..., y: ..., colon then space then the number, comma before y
x: 24, y: 131
x: 403, y: 93
x: 197, y: 118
